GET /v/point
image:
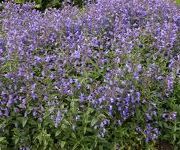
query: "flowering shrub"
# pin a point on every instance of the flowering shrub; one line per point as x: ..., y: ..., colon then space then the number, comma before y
x: 90, y: 78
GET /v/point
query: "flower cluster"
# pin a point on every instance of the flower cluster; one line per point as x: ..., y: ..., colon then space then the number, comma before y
x: 149, y: 132
x: 169, y: 116
x: 113, y: 55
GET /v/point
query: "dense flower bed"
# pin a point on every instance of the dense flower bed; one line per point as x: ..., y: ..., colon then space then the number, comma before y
x: 71, y: 76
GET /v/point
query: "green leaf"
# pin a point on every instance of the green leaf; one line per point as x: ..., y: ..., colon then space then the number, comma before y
x: 101, y: 116
x: 73, y: 135
x: 38, y: 6
x: 94, y: 121
x: 38, y: 1
x: 24, y: 121
x: 63, y: 144
x: 58, y: 132
x: 16, y: 140
x: 85, y: 129
x: 75, y: 146
x: 2, y: 139
x: 20, y: 1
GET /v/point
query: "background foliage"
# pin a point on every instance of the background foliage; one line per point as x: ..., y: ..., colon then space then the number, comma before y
x: 42, y: 4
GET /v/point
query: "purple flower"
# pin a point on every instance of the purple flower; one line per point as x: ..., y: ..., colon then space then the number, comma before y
x: 170, y: 116
x: 58, y: 118
x: 76, y: 54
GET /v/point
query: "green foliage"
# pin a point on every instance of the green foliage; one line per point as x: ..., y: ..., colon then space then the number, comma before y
x: 19, y: 131
x: 178, y: 1
x: 171, y: 130
x: 43, y: 4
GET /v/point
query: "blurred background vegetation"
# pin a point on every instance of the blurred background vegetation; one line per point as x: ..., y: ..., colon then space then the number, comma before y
x: 43, y: 4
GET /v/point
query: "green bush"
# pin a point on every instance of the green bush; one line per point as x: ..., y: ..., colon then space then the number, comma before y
x: 43, y: 4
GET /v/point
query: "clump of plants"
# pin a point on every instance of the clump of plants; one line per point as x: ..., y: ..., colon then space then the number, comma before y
x: 105, y: 77
x: 43, y: 4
